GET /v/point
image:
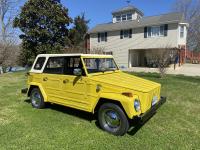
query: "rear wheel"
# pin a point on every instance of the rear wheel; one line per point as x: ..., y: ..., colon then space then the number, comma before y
x: 113, y: 119
x: 37, y: 99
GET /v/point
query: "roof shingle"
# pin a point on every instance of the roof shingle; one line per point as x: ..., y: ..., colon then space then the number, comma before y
x: 145, y: 21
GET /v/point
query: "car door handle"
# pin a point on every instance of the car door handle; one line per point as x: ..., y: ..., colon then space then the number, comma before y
x: 45, y: 79
x: 65, y: 81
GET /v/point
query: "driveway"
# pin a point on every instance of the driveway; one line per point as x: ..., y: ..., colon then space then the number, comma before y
x: 186, y: 69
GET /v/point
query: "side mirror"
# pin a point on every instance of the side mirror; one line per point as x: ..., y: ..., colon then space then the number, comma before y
x: 77, y: 72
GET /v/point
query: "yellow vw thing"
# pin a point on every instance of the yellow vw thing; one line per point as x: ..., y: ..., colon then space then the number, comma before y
x: 93, y: 83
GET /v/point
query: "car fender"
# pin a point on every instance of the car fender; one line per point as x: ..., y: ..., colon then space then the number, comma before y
x: 126, y: 102
x: 40, y: 87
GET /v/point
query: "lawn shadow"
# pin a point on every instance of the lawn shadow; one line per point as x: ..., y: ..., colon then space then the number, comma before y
x: 67, y: 110
x: 27, y: 101
x: 71, y: 111
x: 136, y: 125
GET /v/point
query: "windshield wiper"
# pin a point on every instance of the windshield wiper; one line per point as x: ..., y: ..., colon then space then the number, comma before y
x: 108, y: 69
x: 102, y: 70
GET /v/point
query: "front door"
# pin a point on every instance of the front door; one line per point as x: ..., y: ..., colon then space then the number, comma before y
x: 74, y: 87
x: 52, y: 79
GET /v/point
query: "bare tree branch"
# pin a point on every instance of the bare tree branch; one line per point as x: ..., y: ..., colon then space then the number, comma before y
x: 191, y: 11
x: 8, y: 49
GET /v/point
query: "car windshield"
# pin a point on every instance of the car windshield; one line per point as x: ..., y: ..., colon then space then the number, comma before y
x: 95, y: 65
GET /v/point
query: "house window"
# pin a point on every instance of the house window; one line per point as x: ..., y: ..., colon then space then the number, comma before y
x: 129, y: 16
x: 118, y: 18
x: 102, y: 37
x: 155, y: 31
x: 124, y: 17
x: 126, y: 34
x: 138, y: 17
x: 162, y: 30
x: 182, y: 31
x: 149, y: 31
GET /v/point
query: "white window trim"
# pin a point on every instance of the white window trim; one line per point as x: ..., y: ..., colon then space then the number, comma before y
x: 182, y: 32
x: 121, y: 17
x: 41, y: 70
x: 125, y: 37
x: 130, y: 15
x: 154, y: 36
x: 104, y: 34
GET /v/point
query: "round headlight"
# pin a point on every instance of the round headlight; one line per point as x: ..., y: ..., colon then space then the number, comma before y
x: 137, y: 105
x: 154, y: 100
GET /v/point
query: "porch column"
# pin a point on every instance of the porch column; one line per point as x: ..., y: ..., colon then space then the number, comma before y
x: 129, y: 59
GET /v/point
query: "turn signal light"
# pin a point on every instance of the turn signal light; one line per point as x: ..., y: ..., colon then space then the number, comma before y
x: 128, y: 94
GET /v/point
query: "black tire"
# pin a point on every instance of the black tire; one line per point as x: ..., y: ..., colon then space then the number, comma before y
x: 113, y: 119
x: 37, y: 99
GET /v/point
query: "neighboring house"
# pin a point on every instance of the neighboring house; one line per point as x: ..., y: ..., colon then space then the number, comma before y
x: 134, y: 40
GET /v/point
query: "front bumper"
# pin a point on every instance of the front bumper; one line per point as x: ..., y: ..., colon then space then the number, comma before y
x: 144, y: 117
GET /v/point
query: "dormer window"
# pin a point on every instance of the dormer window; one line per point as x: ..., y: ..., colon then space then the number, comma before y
x: 129, y: 16
x: 138, y: 17
x: 118, y: 18
x: 124, y: 17
x: 126, y: 14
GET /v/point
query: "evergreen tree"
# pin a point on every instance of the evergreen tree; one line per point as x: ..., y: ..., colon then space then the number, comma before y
x: 79, y: 30
x: 44, y: 28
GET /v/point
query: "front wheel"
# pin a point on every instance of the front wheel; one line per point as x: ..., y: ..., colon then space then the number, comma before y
x: 113, y: 119
x: 37, y: 99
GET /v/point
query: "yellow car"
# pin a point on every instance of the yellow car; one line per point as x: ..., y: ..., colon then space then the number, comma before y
x: 93, y: 83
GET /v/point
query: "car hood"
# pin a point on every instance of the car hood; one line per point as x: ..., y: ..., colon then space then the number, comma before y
x: 124, y: 80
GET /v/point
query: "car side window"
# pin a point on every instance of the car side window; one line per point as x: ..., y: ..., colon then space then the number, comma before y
x: 55, y: 65
x: 39, y: 63
x: 73, y: 63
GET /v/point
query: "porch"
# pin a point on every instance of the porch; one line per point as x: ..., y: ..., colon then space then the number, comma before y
x: 185, y: 69
x: 149, y: 57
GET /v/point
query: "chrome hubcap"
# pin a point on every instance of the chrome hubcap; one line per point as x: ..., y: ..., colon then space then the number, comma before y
x: 36, y: 99
x: 111, y: 119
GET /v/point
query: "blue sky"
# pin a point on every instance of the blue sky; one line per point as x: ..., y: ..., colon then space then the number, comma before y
x: 99, y: 11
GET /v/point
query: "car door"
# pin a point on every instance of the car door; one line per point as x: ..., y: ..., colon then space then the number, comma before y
x: 74, y: 87
x: 52, y: 79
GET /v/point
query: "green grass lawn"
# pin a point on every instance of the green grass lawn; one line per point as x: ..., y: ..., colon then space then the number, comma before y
x: 175, y: 126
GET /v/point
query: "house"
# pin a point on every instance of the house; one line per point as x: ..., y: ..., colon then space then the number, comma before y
x: 134, y: 39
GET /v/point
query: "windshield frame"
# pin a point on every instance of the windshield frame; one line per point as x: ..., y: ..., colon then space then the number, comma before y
x: 100, y: 57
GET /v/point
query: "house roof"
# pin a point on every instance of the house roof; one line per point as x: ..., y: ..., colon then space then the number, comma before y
x: 126, y: 9
x: 145, y: 21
